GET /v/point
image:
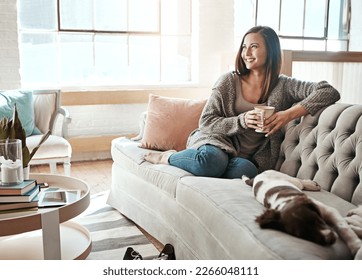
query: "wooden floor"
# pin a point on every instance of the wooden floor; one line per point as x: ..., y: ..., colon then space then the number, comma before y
x: 98, y: 175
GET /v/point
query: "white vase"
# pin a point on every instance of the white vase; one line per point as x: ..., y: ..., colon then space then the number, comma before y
x: 26, y: 171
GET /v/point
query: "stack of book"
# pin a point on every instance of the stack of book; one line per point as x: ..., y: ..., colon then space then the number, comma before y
x: 19, y: 196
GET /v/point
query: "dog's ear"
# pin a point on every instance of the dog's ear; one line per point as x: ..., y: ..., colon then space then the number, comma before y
x: 270, y: 219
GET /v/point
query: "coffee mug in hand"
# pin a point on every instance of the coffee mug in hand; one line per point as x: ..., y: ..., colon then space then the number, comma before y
x: 265, y: 112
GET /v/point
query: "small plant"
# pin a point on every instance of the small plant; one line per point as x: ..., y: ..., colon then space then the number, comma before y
x: 13, y: 129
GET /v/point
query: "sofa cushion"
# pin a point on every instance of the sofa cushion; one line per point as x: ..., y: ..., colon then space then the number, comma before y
x: 224, y: 205
x: 53, y: 147
x: 170, y: 121
x: 24, y: 105
x: 127, y: 154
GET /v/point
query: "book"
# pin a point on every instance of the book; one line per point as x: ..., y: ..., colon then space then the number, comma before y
x: 20, y: 205
x: 18, y: 189
x: 27, y: 197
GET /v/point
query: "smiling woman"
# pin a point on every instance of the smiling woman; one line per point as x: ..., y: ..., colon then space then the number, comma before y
x: 226, y: 143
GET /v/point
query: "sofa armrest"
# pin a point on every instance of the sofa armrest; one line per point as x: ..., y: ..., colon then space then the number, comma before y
x: 142, y: 124
x: 66, y: 120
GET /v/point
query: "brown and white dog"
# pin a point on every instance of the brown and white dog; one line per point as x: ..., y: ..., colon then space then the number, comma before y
x: 292, y: 211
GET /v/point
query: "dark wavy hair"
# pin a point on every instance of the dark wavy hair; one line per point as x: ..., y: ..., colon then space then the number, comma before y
x: 273, y: 60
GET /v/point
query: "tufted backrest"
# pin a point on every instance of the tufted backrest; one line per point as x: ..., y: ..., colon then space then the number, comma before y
x: 327, y: 148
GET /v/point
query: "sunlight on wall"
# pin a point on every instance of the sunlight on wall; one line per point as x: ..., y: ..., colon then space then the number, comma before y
x: 346, y: 77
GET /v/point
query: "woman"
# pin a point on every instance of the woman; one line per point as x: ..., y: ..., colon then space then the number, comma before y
x: 226, y: 144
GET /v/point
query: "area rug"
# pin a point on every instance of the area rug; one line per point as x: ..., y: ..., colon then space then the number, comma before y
x: 112, y: 233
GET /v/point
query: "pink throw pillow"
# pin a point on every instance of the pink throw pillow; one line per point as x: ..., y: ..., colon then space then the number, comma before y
x: 170, y: 121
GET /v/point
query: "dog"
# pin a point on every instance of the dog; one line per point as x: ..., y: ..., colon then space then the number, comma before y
x: 290, y: 210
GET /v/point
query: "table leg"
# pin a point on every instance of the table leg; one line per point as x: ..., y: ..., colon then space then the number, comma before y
x: 51, y: 235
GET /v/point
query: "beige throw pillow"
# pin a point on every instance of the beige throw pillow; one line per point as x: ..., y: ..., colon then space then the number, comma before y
x: 170, y: 121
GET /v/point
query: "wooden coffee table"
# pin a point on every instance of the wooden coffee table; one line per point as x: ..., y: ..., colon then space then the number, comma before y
x: 47, y: 233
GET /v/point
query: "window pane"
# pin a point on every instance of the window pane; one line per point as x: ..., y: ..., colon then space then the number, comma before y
x: 176, y: 17
x: 110, y: 15
x: 144, y: 59
x: 291, y: 23
x: 244, y: 17
x: 144, y: 15
x: 268, y: 13
x: 176, y: 59
x: 314, y: 18
x: 334, y: 45
x: 291, y: 44
x: 37, y: 14
x: 111, y: 58
x: 38, y: 59
x: 314, y: 45
x: 76, y: 14
x: 337, y: 20
x: 76, y: 59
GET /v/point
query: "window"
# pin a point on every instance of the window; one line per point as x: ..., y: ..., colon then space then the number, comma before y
x: 105, y: 42
x: 301, y: 24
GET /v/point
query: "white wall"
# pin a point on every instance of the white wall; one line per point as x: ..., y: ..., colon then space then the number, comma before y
x: 9, y: 55
x: 216, y: 36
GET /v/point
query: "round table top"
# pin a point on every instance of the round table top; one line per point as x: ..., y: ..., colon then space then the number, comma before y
x: 14, y: 222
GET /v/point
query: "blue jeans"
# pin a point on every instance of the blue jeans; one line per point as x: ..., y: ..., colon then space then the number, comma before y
x: 211, y: 161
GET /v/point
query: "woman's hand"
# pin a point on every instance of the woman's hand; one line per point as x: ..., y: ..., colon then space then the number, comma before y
x: 281, y: 118
x: 252, y: 120
x: 275, y: 122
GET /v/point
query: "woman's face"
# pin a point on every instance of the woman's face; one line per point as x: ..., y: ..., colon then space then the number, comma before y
x: 254, y: 52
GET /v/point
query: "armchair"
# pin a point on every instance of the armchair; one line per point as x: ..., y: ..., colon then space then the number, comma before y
x: 56, y: 149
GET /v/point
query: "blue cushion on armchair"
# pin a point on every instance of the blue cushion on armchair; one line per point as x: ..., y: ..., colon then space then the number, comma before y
x: 24, y: 104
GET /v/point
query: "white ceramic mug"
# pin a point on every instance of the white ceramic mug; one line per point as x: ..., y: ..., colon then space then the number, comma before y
x: 265, y: 112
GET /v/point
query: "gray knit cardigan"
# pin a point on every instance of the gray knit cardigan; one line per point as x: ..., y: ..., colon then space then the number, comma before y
x: 220, y: 125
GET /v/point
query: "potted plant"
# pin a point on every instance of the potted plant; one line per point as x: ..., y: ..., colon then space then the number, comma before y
x: 13, y: 129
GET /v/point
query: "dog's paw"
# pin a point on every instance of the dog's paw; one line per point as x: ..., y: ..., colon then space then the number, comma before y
x: 247, y: 180
x: 355, y: 220
x: 310, y: 185
x: 357, y: 230
x: 356, y: 211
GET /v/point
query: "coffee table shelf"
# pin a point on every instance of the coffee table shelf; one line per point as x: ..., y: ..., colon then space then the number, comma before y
x: 47, y: 233
x: 75, y: 244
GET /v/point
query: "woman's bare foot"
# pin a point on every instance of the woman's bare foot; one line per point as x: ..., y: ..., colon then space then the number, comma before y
x: 159, y: 157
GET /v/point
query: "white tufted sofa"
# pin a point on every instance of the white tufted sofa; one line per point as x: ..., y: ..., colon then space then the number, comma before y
x: 210, y: 218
